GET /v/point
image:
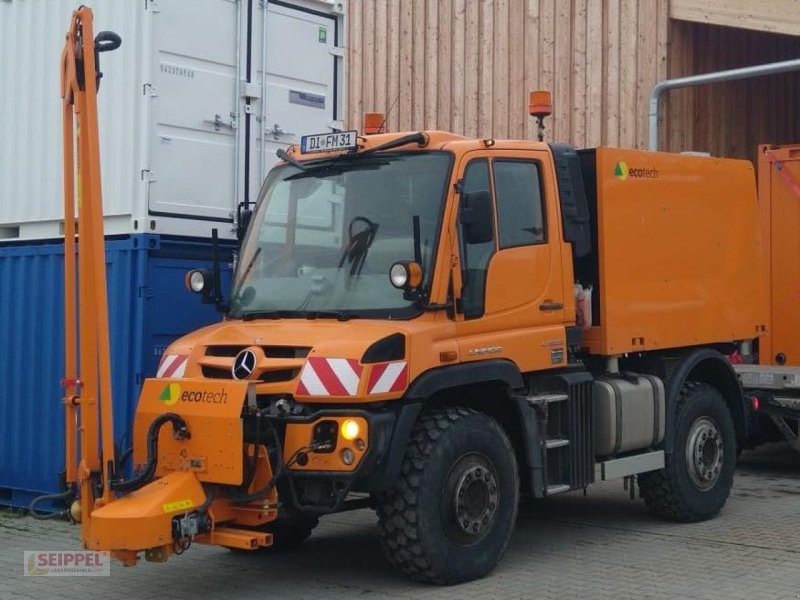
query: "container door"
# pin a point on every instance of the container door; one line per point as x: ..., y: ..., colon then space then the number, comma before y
x: 300, y: 92
x: 194, y: 109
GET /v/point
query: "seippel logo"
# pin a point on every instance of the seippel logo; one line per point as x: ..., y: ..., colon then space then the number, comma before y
x: 622, y: 171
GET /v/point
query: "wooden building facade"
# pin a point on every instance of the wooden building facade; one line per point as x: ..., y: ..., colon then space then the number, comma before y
x: 467, y: 66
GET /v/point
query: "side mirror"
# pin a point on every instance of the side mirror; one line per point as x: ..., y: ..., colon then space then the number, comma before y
x: 245, y: 216
x: 476, y: 216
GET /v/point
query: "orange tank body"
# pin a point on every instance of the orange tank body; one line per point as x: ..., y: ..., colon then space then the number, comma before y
x: 680, y: 255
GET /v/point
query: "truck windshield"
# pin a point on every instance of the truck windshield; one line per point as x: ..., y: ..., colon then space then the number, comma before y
x: 323, y: 237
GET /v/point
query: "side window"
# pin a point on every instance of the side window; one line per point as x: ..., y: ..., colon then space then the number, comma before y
x: 475, y: 257
x: 520, y: 217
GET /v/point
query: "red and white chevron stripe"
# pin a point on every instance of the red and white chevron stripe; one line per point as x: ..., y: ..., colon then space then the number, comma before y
x: 389, y: 377
x: 329, y: 377
x: 173, y: 365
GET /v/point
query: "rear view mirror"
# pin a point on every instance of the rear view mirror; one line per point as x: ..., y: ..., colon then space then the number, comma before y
x: 245, y: 216
x: 476, y: 217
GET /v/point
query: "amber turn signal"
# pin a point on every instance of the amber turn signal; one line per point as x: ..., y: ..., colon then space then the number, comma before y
x: 373, y: 123
x: 540, y: 104
x: 350, y: 430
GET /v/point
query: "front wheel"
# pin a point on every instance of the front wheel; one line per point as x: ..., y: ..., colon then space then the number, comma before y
x: 450, y: 515
x: 697, y: 479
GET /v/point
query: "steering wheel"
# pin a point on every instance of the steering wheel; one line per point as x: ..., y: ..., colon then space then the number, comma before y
x: 370, y: 226
x: 358, y: 243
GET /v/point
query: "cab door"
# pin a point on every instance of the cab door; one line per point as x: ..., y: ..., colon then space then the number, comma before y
x: 513, y: 291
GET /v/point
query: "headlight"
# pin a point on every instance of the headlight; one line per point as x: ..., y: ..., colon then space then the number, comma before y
x: 198, y: 280
x: 405, y: 275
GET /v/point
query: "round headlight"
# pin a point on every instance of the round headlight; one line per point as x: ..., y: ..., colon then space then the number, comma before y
x: 398, y: 275
x: 196, y: 281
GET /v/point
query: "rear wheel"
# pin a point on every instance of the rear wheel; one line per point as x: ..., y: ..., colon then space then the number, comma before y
x: 698, y: 476
x: 450, y: 515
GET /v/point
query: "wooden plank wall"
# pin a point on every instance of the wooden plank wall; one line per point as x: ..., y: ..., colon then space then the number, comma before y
x: 730, y: 119
x: 467, y: 65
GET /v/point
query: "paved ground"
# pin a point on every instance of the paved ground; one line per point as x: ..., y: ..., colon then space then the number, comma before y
x: 599, y: 546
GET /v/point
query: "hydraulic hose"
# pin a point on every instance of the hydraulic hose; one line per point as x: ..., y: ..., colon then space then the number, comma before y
x: 42, y: 516
x: 146, y: 475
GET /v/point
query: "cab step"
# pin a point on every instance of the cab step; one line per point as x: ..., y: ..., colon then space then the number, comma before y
x: 556, y: 443
x: 549, y: 398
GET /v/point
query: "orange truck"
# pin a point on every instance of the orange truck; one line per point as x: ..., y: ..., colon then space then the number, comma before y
x: 434, y: 326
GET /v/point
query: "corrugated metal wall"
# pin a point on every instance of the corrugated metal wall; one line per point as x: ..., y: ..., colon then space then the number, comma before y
x: 731, y: 119
x: 468, y: 65
x: 148, y: 309
x: 30, y: 78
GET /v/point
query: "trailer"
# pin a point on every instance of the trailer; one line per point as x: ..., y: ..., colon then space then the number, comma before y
x: 773, y: 384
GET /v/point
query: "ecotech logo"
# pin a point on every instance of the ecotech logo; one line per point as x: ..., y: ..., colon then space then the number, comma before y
x: 172, y: 392
x: 622, y: 171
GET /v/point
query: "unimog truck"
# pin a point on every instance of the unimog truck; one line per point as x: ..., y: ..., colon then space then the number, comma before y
x: 432, y: 327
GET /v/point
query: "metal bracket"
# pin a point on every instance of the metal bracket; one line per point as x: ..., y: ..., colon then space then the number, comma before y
x: 277, y: 132
x: 251, y: 91
x: 337, y: 51
x: 218, y: 123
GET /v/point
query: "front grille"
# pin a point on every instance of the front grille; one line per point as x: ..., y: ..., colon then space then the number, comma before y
x: 216, y: 373
x: 278, y: 375
x: 269, y: 351
x: 275, y: 376
x: 285, y: 351
x: 229, y: 351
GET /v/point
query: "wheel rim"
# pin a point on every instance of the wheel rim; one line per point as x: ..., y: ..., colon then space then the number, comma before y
x: 704, y: 453
x: 470, y: 499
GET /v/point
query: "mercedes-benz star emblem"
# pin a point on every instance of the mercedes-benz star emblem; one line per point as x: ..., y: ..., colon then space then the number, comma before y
x: 243, y: 364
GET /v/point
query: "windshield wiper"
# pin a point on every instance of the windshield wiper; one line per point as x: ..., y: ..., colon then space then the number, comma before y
x: 419, y: 138
x: 339, y: 315
x: 283, y: 155
x: 272, y: 314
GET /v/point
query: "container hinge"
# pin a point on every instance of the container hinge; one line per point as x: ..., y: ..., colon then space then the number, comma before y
x: 336, y: 125
x: 151, y: 4
x: 337, y: 51
x: 148, y: 89
x: 147, y: 175
x: 145, y: 291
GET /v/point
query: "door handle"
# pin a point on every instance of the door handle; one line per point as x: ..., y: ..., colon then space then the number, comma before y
x: 547, y: 306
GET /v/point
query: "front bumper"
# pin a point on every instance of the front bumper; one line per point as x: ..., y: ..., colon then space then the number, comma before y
x: 322, y: 483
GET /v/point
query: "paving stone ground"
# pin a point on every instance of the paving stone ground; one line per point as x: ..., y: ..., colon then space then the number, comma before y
x: 599, y: 546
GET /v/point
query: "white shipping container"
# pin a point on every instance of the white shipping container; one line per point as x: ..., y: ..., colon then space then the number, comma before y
x: 188, y: 125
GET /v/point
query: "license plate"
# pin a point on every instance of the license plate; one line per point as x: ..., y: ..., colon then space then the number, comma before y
x: 328, y: 142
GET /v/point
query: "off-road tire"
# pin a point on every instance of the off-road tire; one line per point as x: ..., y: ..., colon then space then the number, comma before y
x: 670, y: 492
x: 443, y: 450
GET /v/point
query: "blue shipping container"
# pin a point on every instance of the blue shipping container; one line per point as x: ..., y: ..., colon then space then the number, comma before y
x: 148, y: 309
